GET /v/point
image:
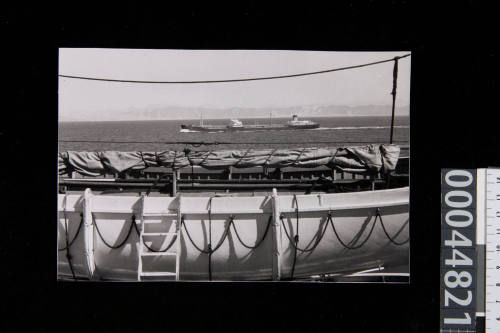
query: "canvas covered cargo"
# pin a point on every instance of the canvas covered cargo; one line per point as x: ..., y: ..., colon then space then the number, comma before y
x: 357, y: 159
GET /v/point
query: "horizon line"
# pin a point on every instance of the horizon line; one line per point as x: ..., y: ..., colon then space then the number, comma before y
x: 197, y: 119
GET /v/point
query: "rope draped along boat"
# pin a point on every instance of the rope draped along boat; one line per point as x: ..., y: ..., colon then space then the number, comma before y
x: 277, y: 236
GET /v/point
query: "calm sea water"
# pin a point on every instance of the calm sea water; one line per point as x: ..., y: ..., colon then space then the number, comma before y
x: 338, y: 131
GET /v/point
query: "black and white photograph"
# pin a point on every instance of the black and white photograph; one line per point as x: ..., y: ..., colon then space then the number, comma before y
x: 205, y: 167
x: 233, y: 165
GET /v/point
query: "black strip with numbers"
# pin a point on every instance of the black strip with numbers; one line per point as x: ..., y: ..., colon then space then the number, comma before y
x: 458, y: 250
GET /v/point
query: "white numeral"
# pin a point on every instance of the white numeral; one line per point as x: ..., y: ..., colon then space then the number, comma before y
x: 457, y: 194
x: 458, y: 279
x: 464, y: 261
x: 463, y: 302
x: 462, y: 241
x: 456, y: 222
x: 459, y: 321
x: 458, y: 183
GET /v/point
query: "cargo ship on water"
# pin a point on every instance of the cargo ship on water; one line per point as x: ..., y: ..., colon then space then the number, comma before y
x: 237, y: 125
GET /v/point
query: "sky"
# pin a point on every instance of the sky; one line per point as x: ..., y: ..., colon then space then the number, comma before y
x: 86, y: 99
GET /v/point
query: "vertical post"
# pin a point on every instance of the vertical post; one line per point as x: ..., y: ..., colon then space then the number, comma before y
x: 276, y: 236
x: 178, y: 241
x: 393, y: 93
x: 174, y: 183
x: 140, y: 248
x: 88, y: 234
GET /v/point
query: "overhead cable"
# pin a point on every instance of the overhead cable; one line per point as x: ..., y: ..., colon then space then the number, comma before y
x: 235, y: 80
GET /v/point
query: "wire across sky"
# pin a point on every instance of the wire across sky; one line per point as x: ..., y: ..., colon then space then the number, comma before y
x: 238, y: 79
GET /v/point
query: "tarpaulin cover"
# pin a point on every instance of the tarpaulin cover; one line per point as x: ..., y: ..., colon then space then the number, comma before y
x: 359, y: 159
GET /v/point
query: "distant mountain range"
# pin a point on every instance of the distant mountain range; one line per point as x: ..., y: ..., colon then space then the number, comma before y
x: 156, y: 112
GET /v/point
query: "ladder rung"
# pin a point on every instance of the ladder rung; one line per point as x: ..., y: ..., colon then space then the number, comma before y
x: 159, y: 233
x: 158, y: 254
x: 158, y: 274
x: 160, y: 214
x: 153, y: 221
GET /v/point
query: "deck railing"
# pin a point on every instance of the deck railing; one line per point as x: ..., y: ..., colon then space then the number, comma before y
x: 198, y: 179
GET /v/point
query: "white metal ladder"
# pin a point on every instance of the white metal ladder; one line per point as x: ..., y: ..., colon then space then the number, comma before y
x: 143, y: 252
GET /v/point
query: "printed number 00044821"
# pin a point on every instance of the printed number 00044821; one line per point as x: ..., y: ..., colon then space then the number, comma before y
x: 460, y: 216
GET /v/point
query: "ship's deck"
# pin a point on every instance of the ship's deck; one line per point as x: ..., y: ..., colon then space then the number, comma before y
x: 237, y: 181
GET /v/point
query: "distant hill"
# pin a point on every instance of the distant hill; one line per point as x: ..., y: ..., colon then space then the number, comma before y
x: 156, y: 112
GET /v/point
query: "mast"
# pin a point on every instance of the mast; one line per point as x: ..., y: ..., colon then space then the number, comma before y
x: 270, y: 117
x: 201, y: 118
x: 393, y: 93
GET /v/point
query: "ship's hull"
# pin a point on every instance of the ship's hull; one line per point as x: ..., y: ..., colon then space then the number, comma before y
x: 248, y: 128
x: 353, y: 216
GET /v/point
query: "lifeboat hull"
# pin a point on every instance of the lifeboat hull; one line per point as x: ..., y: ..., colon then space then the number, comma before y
x: 354, y: 221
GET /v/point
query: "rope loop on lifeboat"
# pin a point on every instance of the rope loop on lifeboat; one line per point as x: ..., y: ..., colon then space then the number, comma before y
x: 68, y: 255
x: 209, y: 249
x: 68, y: 244
x: 391, y: 239
x: 257, y: 243
x: 329, y: 220
x: 132, y: 225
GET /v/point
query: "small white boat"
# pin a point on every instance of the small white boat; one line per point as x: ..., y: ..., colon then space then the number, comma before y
x: 366, y: 230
